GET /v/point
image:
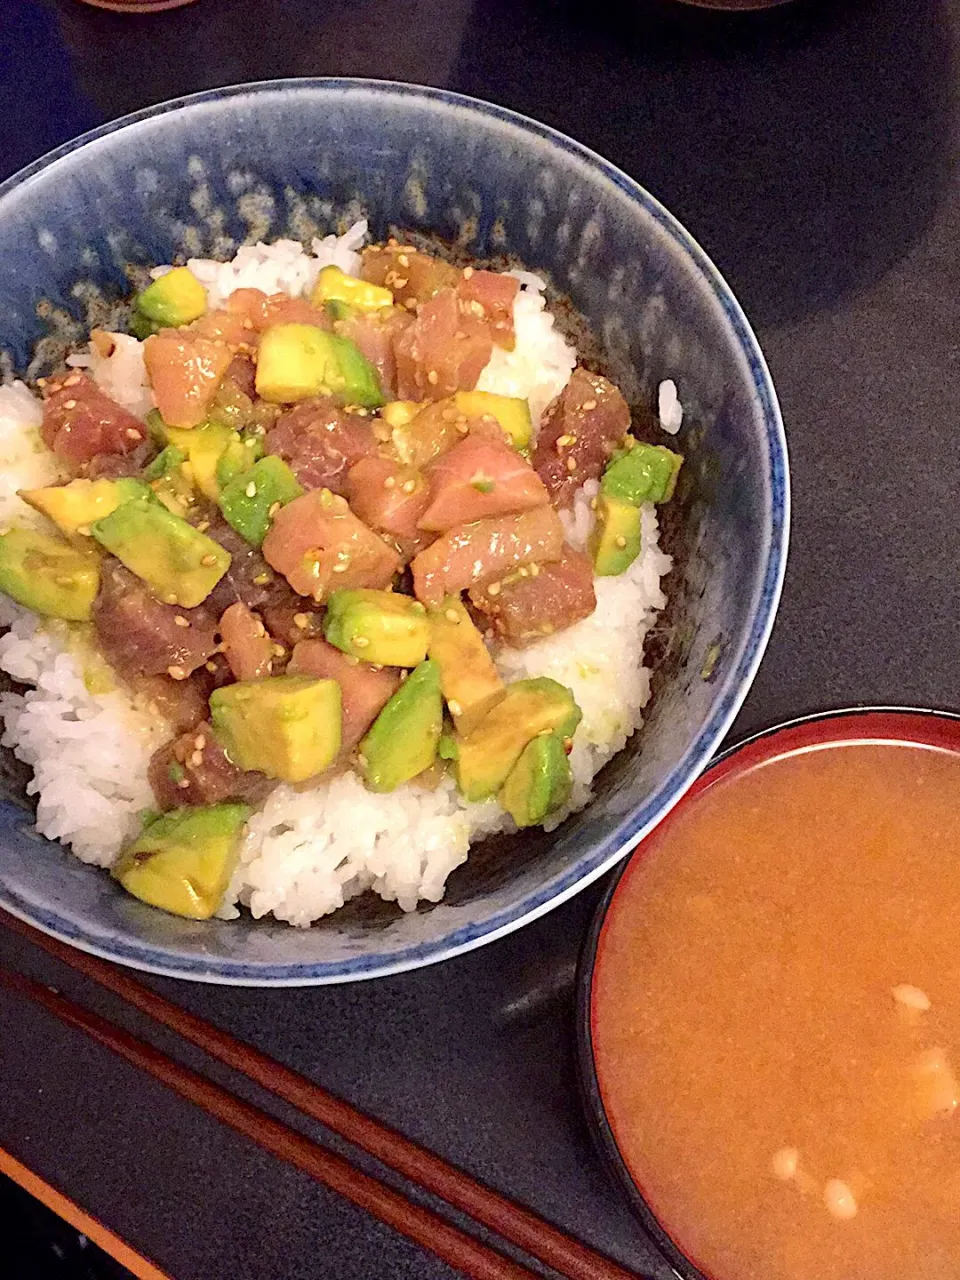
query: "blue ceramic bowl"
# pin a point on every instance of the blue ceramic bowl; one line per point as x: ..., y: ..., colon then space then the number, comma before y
x: 203, y: 174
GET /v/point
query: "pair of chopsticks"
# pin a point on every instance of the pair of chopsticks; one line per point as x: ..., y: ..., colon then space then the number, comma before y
x: 487, y: 1208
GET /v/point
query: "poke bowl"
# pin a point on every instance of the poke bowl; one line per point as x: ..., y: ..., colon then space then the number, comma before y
x: 220, y: 343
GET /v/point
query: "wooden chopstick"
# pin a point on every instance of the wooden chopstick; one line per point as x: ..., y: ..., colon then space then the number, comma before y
x: 418, y: 1223
x: 511, y: 1221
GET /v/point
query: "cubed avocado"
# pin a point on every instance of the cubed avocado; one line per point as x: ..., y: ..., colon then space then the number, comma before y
x: 468, y: 677
x: 287, y: 727
x: 334, y: 285
x: 178, y: 563
x: 182, y: 862
x: 47, y: 575
x: 403, y: 739
x: 512, y: 413
x: 204, y: 447
x: 381, y: 627
x: 642, y: 473
x: 74, y: 507
x: 527, y: 709
x: 539, y: 783
x: 297, y: 361
x: 338, y: 310
x: 173, y: 299
x: 251, y: 499
x: 615, y: 541
x: 238, y: 457
x: 166, y: 462
x: 400, y: 413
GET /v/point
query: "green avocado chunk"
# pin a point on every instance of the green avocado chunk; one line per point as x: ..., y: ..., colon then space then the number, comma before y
x: 47, y: 575
x: 296, y: 361
x: 528, y: 708
x: 173, y: 299
x: 539, y: 783
x: 182, y: 861
x: 615, y: 541
x: 75, y: 506
x: 238, y: 457
x: 403, y: 739
x: 287, y: 727
x: 381, y: 627
x: 644, y: 473
x: 178, y: 563
x: 468, y: 677
x: 249, y: 501
x: 165, y: 463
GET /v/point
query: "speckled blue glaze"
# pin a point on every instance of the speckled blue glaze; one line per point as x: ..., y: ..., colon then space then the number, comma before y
x: 206, y: 173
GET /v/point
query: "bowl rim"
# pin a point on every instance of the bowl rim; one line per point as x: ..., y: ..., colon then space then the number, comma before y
x: 882, y: 724
x: 156, y: 959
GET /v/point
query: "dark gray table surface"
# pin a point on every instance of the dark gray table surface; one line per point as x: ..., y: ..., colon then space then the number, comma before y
x: 813, y: 152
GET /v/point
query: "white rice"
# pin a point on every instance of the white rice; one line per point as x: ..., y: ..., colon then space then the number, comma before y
x: 669, y: 408
x: 306, y: 852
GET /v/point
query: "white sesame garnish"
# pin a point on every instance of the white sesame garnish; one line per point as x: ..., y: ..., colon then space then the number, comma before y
x: 785, y: 1163
x: 911, y: 997
x: 251, y: 490
x: 839, y: 1200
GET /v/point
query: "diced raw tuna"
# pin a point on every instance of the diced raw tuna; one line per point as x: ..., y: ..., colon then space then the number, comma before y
x: 443, y: 351
x: 80, y: 422
x: 193, y: 770
x: 376, y: 334
x: 578, y: 432
x: 246, y: 645
x: 242, y: 372
x: 224, y: 326
x: 181, y: 702
x: 290, y: 618
x: 538, y: 600
x: 489, y: 296
x: 477, y: 479
x: 321, y: 442
x: 319, y: 545
x: 484, y: 551
x: 365, y: 690
x: 411, y: 277
x: 185, y: 370
x: 140, y: 635
x: 114, y: 466
x: 387, y: 496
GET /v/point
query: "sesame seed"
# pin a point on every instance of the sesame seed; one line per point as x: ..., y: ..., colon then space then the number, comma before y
x: 360, y: 642
x: 408, y: 486
x: 315, y: 570
x: 131, y: 434
x: 262, y: 579
x: 593, y: 504
x: 251, y: 490
x: 361, y: 760
x: 260, y: 628
x: 455, y: 707
x: 196, y: 758
x: 449, y: 413
x: 534, y: 570
x: 341, y: 567
x: 211, y: 667
x: 417, y: 607
x: 208, y: 560
x: 203, y: 526
x: 251, y: 443
x: 390, y: 482
x: 84, y: 529
x: 493, y: 589
x: 621, y: 541
x: 459, y: 335
x: 400, y: 282
x: 69, y: 404
x: 477, y: 310
x: 411, y: 304
x: 301, y: 620
x: 273, y: 509
x: 589, y: 404
x: 183, y: 783
x: 839, y: 1200
x: 571, y: 464
x: 171, y: 599
x: 911, y: 997
x: 451, y: 615
x: 199, y: 741
x: 279, y: 650
x: 403, y: 259
x: 564, y: 442
x: 785, y: 1163
x: 176, y: 673
x: 523, y: 573
x: 433, y: 377
x: 72, y: 381
x: 181, y: 621
x: 467, y: 272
